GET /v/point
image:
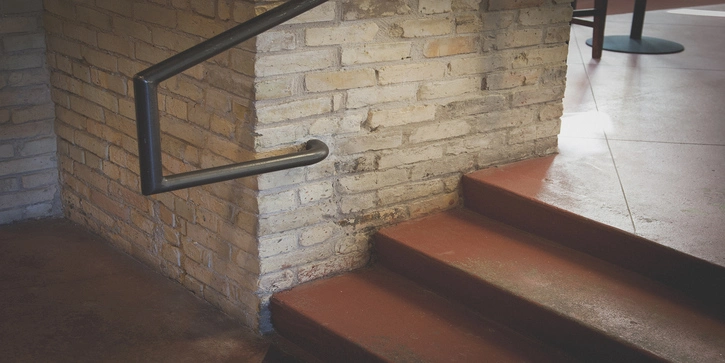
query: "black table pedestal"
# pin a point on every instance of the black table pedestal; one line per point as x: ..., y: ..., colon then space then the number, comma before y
x: 635, y: 42
x: 644, y: 45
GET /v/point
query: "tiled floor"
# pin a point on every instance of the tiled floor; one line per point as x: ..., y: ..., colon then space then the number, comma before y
x: 642, y: 145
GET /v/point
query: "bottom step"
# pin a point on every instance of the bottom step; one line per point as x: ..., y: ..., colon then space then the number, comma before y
x: 376, y: 315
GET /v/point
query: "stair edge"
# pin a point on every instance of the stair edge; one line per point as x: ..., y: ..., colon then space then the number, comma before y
x: 696, y: 277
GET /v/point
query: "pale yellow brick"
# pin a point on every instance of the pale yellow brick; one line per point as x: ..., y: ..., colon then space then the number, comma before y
x: 151, y: 54
x: 434, y: 204
x: 217, y: 100
x: 352, y: 120
x: 409, y: 156
x: 540, y: 56
x: 327, y: 125
x: 204, y: 7
x: 273, y: 41
x: 277, y: 281
x: 199, y: 25
x: 274, y: 88
x: 356, y: 203
x: 361, y: 97
x: 277, y: 202
x: 477, y: 65
x: 316, y: 191
x: 373, y: 180
x: 108, y: 81
x: 434, y: 6
x: 401, y: 116
x: 357, y: 33
x: 176, y: 108
x: 270, y: 65
x: 327, y: 81
x: 276, y: 136
x: 411, y: 72
x: 299, y: 257
x: 93, y: 17
x: 519, y: 38
x: 466, y: 5
x: 537, y: 95
x: 324, y: 12
x: 100, y: 59
x: 440, y: 131
x: 98, y: 96
x: 551, y: 112
x: 371, y: 53
x: 281, y: 178
x: 332, y: 266
x: 418, y: 28
x: 156, y: 14
x: 319, y: 233
x: 468, y: 24
x: 116, y: 6
x: 131, y: 28
x: 80, y: 33
x: 353, y: 10
x: 297, y: 218
x: 172, y: 40
x: 376, y: 141
x: 545, y: 15
x: 293, y: 109
x: 449, y: 88
x: 450, y: 46
x: 558, y: 34
x: 511, y: 79
x: 410, y: 191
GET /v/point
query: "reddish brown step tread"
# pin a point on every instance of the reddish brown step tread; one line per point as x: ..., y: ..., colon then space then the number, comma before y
x: 375, y: 315
x: 503, y: 270
x: 510, y: 194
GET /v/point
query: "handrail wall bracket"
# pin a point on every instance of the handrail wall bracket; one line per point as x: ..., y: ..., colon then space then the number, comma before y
x: 145, y: 85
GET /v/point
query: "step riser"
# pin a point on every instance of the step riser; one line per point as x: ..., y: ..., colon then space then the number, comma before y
x: 315, y: 339
x: 505, y: 308
x: 699, y: 279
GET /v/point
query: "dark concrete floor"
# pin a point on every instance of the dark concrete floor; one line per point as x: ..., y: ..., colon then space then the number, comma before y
x: 66, y: 296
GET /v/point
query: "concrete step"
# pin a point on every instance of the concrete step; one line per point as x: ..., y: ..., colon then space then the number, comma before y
x: 374, y: 315
x: 592, y: 309
x: 509, y: 194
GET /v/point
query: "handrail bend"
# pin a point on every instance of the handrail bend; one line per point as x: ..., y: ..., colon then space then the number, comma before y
x: 145, y: 85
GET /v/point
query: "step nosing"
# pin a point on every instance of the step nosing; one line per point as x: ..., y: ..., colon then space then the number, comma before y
x: 415, y: 311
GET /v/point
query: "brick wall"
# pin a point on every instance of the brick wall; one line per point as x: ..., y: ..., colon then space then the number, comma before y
x: 28, y: 171
x: 408, y: 94
x: 202, y: 237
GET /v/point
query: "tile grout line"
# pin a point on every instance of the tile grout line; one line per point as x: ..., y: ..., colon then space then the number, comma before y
x: 609, y: 148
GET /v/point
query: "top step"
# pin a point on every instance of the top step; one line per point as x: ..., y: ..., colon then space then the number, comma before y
x: 509, y: 194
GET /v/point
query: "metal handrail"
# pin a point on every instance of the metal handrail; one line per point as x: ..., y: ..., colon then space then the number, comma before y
x: 145, y: 85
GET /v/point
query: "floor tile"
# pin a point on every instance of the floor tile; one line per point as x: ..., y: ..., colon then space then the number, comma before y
x: 578, y: 96
x: 676, y: 194
x: 665, y: 105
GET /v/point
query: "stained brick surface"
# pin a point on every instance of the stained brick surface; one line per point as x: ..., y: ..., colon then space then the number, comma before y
x: 409, y: 95
x: 28, y: 167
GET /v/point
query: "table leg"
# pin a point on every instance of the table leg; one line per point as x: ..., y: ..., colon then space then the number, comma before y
x: 638, y: 19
